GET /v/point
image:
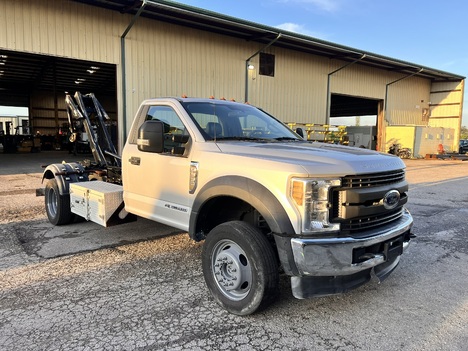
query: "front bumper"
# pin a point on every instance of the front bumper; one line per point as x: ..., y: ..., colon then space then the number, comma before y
x: 336, y: 265
x: 337, y: 256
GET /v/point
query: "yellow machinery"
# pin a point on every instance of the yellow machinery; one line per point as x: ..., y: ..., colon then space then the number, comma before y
x: 322, y: 132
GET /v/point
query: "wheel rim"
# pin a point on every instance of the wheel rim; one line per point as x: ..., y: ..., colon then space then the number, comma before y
x: 52, y: 202
x: 232, y: 270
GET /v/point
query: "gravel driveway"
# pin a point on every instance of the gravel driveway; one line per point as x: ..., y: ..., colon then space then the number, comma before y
x: 140, y: 286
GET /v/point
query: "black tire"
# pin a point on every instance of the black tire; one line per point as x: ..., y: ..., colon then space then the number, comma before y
x: 57, y: 205
x: 245, y: 264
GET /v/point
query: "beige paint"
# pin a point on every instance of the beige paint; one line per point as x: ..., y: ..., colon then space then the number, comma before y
x: 169, y: 60
x: 61, y: 28
x: 446, y: 108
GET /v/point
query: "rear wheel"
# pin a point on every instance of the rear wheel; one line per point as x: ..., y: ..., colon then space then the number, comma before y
x: 57, y: 205
x: 240, y: 268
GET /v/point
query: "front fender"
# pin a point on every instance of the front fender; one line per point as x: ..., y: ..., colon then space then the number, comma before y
x: 249, y: 191
x: 262, y: 200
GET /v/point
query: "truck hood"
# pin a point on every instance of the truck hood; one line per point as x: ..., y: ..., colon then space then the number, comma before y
x: 316, y: 158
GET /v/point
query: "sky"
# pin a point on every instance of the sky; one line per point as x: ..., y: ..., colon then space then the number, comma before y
x: 428, y: 33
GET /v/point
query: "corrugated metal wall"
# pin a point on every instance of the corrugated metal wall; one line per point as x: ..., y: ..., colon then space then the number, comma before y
x: 406, y: 98
x: 61, y: 28
x: 408, y: 101
x: 167, y: 60
x: 297, y: 92
x: 446, y: 107
x: 358, y: 80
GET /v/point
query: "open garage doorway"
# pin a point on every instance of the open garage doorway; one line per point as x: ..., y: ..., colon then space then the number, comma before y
x: 40, y: 83
x: 360, y: 116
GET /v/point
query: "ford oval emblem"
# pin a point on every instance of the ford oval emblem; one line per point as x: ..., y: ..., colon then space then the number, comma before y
x: 391, y: 199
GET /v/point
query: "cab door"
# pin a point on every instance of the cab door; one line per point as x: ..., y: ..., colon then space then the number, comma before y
x: 156, y: 184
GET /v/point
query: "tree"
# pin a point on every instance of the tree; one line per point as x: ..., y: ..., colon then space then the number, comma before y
x: 464, y: 133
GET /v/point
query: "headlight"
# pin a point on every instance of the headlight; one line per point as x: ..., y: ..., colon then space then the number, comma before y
x: 312, y: 198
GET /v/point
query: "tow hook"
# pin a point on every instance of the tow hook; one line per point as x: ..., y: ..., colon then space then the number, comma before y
x: 367, y: 256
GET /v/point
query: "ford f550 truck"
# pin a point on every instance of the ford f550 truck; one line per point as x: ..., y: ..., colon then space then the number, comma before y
x: 262, y: 198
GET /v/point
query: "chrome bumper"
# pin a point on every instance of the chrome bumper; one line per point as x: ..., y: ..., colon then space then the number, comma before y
x: 334, y: 256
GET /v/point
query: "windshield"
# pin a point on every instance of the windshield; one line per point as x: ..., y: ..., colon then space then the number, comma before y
x: 234, y: 121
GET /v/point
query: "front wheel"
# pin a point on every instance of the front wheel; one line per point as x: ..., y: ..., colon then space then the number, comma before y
x: 240, y: 268
x: 57, y: 205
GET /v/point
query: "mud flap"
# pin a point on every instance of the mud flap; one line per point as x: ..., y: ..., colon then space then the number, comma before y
x: 120, y: 216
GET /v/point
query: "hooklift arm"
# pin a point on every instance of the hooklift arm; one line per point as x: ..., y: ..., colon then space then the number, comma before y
x: 61, y: 202
x: 82, y: 108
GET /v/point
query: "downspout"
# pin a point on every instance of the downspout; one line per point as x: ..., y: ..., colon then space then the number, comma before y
x: 124, y: 80
x: 247, y: 62
x: 329, y: 80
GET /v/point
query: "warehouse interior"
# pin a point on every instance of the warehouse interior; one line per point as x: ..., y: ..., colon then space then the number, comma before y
x: 40, y: 82
x: 23, y: 73
x: 360, y: 116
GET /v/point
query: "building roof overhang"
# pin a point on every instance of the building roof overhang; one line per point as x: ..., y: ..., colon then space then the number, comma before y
x: 197, y: 18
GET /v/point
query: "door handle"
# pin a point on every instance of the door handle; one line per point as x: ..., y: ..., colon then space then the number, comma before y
x: 134, y: 160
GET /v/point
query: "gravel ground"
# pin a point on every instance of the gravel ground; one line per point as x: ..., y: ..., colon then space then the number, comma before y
x: 150, y: 294
x: 18, y: 199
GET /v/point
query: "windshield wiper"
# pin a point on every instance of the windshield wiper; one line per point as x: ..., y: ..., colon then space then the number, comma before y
x: 246, y: 138
x: 242, y: 138
x: 287, y: 139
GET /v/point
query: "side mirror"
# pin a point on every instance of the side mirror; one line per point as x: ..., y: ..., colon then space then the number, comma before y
x: 300, y: 131
x: 151, y: 137
x: 180, y: 138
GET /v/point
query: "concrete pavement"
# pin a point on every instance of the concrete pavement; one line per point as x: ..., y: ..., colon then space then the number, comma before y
x: 84, y: 287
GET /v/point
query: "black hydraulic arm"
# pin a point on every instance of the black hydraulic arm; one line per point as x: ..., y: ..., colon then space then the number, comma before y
x: 91, y: 105
x: 83, y: 108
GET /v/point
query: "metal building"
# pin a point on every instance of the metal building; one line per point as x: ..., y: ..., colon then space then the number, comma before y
x: 129, y: 50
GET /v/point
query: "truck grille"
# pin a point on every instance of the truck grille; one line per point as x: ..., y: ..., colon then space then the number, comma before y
x: 360, y: 224
x: 358, y: 206
x: 370, y: 180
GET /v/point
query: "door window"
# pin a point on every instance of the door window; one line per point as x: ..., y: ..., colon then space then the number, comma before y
x: 172, y: 124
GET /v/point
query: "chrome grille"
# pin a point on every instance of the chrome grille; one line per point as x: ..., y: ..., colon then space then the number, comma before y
x: 360, y: 224
x: 373, y: 186
x: 370, y: 180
